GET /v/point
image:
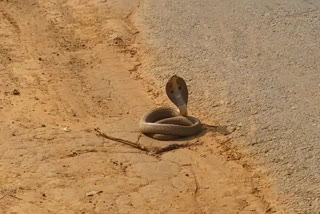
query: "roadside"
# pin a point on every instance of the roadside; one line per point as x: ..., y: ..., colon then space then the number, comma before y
x: 70, y: 67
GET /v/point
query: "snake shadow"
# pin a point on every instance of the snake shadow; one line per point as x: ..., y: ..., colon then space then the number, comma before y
x: 206, y: 128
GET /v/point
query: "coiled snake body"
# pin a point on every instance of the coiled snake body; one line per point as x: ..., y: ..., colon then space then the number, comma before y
x: 167, y: 123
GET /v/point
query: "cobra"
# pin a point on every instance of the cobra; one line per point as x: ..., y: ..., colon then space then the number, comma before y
x: 167, y: 123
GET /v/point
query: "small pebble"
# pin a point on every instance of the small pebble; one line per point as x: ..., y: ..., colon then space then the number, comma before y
x: 16, y: 92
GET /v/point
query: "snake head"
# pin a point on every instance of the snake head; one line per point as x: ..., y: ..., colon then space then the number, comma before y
x: 177, y: 91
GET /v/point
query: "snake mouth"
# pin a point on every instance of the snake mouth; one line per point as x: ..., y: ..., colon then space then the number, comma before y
x: 183, y: 110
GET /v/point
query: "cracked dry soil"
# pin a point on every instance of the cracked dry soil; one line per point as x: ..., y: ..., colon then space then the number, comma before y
x: 69, y: 67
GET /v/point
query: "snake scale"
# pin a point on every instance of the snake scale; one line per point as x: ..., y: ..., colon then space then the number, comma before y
x: 166, y: 123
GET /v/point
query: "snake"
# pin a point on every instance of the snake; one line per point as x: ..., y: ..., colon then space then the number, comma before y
x: 166, y: 123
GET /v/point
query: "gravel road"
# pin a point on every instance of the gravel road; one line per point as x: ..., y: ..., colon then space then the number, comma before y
x: 254, y: 66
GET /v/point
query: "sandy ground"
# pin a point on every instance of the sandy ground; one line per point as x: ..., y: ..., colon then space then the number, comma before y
x: 253, y: 66
x: 71, y: 96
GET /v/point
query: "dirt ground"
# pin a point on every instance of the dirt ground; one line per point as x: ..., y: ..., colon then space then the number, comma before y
x: 69, y: 79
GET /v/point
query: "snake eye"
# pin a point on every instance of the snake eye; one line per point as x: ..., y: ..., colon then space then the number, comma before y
x: 179, y: 87
x: 171, y: 91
